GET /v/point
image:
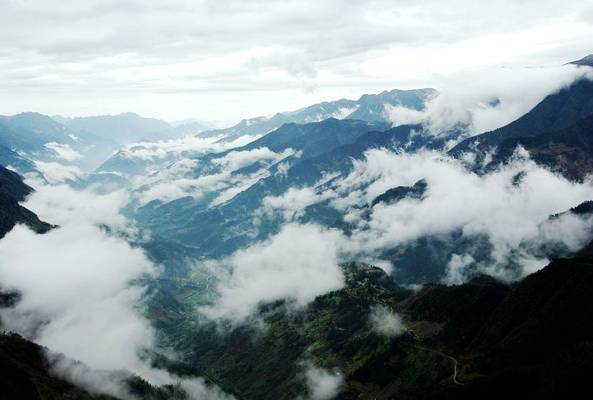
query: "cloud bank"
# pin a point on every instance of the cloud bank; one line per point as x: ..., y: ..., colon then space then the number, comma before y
x: 483, y: 99
x: 510, y: 206
x: 198, y: 58
x: 323, y: 384
x: 197, y: 177
x: 63, y: 151
x: 80, y: 291
x: 55, y: 172
x: 298, y: 264
x: 385, y: 322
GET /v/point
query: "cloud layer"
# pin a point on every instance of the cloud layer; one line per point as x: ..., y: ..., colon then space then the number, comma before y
x: 483, y: 99
x: 510, y: 207
x: 81, y: 294
x: 298, y: 264
x: 222, y: 62
x: 76, y: 293
x: 323, y: 384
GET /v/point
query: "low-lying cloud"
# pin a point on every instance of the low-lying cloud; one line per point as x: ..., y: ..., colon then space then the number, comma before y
x: 323, y: 384
x: 480, y: 100
x: 385, y: 322
x: 63, y: 151
x: 183, y: 178
x: 509, y: 206
x: 76, y: 293
x: 80, y: 291
x: 55, y: 172
x: 298, y: 264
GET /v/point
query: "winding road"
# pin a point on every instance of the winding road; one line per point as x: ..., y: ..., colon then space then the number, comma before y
x: 453, y: 359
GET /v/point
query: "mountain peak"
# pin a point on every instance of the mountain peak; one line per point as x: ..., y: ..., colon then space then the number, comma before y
x: 129, y: 114
x: 587, y: 61
x: 31, y: 114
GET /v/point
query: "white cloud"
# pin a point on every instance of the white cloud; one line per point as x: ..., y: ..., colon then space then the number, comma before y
x: 235, y: 160
x: 323, y: 384
x: 95, y: 381
x: 187, y: 145
x: 241, y: 184
x: 76, y: 293
x: 178, y: 58
x: 293, y: 202
x: 509, y: 215
x: 81, y: 294
x: 177, y: 180
x: 63, y: 151
x: 399, y: 115
x: 62, y: 205
x: 55, y: 172
x: 385, y: 322
x: 166, y: 191
x: 455, y: 273
x: 511, y: 212
x: 298, y: 264
x: 483, y: 99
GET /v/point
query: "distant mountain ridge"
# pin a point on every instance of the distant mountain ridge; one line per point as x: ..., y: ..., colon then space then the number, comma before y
x: 314, y: 138
x: 31, y: 136
x: 30, y: 131
x: 482, y: 339
x: 85, y: 142
x: 122, y: 128
x: 369, y: 107
x: 222, y: 229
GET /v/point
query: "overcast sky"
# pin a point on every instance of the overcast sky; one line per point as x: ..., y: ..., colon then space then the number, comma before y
x: 225, y: 59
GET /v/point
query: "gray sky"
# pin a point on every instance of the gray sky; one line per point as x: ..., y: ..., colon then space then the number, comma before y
x: 224, y: 60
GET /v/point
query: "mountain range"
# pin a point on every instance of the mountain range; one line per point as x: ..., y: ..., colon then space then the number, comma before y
x: 369, y: 107
x: 212, y: 212
x: 555, y: 132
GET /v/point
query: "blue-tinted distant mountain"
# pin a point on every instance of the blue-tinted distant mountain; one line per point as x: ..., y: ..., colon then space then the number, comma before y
x: 310, y: 140
x: 188, y: 127
x: 314, y: 138
x: 194, y: 123
x: 122, y: 128
x: 125, y: 164
x: 31, y: 131
x: 369, y: 108
x: 294, y: 129
x: 585, y: 61
x: 11, y: 159
x: 37, y: 137
x: 219, y: 230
